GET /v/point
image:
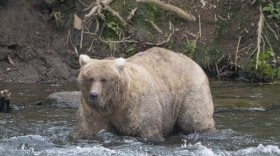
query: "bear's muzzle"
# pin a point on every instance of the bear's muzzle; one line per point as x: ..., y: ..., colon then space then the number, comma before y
x: 94, y: 97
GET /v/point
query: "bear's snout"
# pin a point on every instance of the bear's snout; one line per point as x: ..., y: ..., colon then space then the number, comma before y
x: 93, y: 96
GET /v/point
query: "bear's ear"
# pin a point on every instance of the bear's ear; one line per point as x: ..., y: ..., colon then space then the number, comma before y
x: 84, y: 59
x: 120, y: 63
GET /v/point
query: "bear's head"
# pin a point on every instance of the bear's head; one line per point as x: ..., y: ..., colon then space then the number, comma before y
x: 101, y: 81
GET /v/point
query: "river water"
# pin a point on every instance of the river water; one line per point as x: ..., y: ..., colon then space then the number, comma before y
x: 247, y: 117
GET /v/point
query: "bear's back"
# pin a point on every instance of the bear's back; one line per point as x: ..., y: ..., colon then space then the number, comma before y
x: 169, y: 66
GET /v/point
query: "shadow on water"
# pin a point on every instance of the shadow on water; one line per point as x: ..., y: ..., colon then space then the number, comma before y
x: 37, y: 130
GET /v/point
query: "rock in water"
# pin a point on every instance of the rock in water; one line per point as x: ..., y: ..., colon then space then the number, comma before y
x: 69, y: 99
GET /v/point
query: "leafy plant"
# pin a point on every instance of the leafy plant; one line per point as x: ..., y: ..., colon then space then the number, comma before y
x: 114, y: 27
x: 266, y: 70
x: 58, y: 17
x: 131, y: 51
x: 273, y: 10
x: 191, y: 47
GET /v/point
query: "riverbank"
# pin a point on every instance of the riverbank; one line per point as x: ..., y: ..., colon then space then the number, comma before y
x: 41, y: 45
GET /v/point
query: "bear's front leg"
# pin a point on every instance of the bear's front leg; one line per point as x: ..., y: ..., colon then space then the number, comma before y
x: 88, y: 124
x: 152, y: 133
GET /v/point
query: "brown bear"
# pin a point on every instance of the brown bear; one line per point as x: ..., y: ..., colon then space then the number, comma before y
x: 149, y: 95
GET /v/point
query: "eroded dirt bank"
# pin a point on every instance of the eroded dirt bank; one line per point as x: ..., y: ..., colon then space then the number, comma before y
x: 32, y: 48
x: 35, y: 46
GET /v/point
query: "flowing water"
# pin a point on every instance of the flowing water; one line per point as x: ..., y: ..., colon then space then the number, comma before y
x: 247, y: 117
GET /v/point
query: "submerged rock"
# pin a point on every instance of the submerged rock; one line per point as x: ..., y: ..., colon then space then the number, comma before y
x: 68, y: 99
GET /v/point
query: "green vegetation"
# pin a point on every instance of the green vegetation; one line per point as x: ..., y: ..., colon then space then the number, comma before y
x: 266, y: 69
x: 131, y: 50
x: 273, y: 10
x: 191, y: 47
x: 112, y: 27
x: 61, y: 10
x: 58, y: 17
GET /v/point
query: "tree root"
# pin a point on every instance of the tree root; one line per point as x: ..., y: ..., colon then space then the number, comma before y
x: 259, y: 32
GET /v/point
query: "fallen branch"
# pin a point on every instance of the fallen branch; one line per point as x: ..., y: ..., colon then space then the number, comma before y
x: 171, y: 8
x: 259, y: 32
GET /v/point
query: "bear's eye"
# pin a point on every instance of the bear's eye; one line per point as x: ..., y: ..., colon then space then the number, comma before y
x: 103, y: 80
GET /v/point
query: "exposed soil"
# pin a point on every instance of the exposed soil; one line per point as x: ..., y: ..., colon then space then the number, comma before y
x: 36, y: 48
x: 33, y: 46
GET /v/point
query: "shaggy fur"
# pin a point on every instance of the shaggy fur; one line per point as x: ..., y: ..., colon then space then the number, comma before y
x: 147, y: 95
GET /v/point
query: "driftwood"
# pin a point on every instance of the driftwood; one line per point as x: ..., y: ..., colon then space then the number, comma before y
x: 5, y: 96
x: 171, y: 8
